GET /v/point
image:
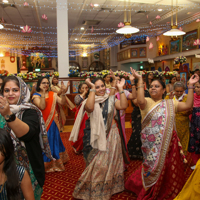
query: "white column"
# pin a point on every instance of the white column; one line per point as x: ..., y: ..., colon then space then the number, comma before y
x: 62, y: 38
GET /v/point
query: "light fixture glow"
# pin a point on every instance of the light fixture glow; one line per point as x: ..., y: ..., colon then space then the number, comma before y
x: 160, y: 9
x: 174, y: 32
x: 1, y: 55
x: 1, y: 26
x: 5, y: 1
x: 96, y: 5
x: 21, y: 27
x: 82, y: 28
x: 127, y: 29
x: 84, y: 55
x: 76, y: 39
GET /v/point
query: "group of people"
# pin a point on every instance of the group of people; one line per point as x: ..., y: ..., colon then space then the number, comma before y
x: 30, y: 142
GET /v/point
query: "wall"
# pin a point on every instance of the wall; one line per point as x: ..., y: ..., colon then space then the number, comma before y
x: 10, y: 67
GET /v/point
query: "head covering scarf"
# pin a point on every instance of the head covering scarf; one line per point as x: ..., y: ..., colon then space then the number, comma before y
x: 18, y: 110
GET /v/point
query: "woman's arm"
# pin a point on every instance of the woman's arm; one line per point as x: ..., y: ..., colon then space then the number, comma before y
x: 141, y: 101
x: 89, y: 106
x: 26, y: 187
x: 133, y: 95
x: 113, y: 84
x: 62, y: 100
x: 53, y: 89
x: 167, y: 88
x: 40, y: 101
x: 121, y: 104
x: 184, y: 106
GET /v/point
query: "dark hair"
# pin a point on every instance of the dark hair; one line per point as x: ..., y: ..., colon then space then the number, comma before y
x: 8, y: 79
x: 105, y: 76
x: 39, y: 83
x: 97, y: 79
x: 9, y: 167
x: 120, y: 77
x: 53, y: 78
x: 147, y: 80
x: 80, y: 86
x: 171, y: 77
x: 196, y: 70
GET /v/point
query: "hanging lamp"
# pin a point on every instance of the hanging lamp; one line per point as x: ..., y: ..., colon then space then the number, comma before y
x: 174, y: 31
x: 127, y: 30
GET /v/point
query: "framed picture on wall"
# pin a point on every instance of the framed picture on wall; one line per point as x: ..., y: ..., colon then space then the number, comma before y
x: 183, y: 76
x: 134, y: 53
x: 174, y: 46
x: 84, y: 63
x: 188, y: 40
x: 142, y: 52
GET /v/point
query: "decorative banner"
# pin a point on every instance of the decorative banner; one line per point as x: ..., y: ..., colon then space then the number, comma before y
x: 147, y: 39
x: 92, y: 5
x: 26, y: 29
x: 44, y: 17
x: 2, y: 20
x: 150, y: 23
x: 12, y: 59
x: 121, y: 24
x: 157, y: 39
x: 147, y: 16
x: 150, y: 45
x: 180, y: 29
x: 196, y: 42
x: 92, y: 29
x: 198, y: 20
x: 158, y: 17
x: 26, y: 4
x: 96, y: 56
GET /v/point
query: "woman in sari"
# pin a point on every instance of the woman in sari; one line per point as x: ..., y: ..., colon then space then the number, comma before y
x: 169, y: 87
x: 46, y: 101
x: 61, y: 109
x: 103, y: 175
x: 25, y: 124
x: 182, y: 118
x: 79, y: 98
x: 161, y: 175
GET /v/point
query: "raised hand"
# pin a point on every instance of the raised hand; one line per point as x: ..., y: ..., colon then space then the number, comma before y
x: 194, y: 79
x: 135, y: 74
x: 113, y: 84
x: 121, y: 83
x: 89, y: 83
x: 171, y: 95
x: 63, y: 87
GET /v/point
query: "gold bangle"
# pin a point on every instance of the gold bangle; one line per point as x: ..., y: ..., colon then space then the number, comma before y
x: 142, y: 86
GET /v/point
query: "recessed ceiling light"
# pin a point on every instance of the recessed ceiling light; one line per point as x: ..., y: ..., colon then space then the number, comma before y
x: 21, y: 27
x: 76, y: 39
x: 160, y: 9
x: 5, y: 1
x: 82, y: 28
x: 96, y: 5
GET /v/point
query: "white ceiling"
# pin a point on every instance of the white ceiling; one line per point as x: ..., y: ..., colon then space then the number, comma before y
x: 109, y: 13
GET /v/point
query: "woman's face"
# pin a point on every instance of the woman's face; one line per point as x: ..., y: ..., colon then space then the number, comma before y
x: 178, y: 91
x: 100, y: 88
x: 84, y: 87
x: 173, y: 80
x: 11, y: 92
x: 2, y: 158
x: 150, y: 76
x: 197, y: 88
x: 107, y: 79
x: 44, y: 85
x: 156, y: 90
x: 54, y: 81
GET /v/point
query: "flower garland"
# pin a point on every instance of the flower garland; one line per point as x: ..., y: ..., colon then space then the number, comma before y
x: 180, y: 59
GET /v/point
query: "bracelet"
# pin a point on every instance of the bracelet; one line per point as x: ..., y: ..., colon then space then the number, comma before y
x: 113, y: 88
x: 142, y: 86
x: 92, y: 90
x: 133, y: 84
x: 121, y: 92
x: 191, y: 87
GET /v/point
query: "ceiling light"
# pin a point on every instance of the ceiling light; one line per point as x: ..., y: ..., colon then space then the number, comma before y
x: 1, y: 55
x: 84, y: 55
x: 160, y: 9
x: 1, y: 26
x: 82, y: 28
x: 5, y: 1
x: 127, y: 29
x: 174, y: 32
x: 21, y: 27
x: 76, y: 39
x: 189, y: 13
x: 96, y: 5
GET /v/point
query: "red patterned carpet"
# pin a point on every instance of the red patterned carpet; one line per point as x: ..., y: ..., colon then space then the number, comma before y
x: 60, y: 185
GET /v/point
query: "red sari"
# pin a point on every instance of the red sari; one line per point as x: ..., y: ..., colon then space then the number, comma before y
x: 161, y: 175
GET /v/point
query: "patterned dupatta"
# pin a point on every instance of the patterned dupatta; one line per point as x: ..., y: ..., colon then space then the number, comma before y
x: 18, y: 110
x: 50, y: 110
x: 156, y: 134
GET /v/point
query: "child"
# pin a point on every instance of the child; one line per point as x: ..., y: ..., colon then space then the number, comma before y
x: 12, y: 177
